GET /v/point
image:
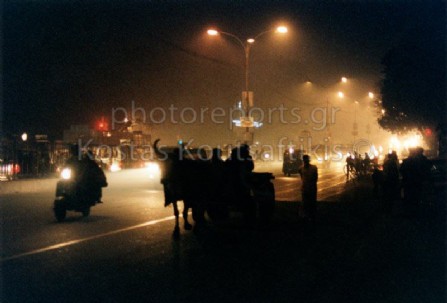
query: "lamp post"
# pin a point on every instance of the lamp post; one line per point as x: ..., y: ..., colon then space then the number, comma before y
x: 25, y: 141
x: 246, y: 47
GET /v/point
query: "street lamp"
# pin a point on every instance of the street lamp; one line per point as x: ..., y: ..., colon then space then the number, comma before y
x: 246, y: 46
x: 24, y: 139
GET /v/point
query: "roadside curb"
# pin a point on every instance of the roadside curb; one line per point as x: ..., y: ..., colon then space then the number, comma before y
x: 26, y: 186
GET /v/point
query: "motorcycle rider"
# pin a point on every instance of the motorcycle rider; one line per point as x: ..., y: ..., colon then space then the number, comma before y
x: 94, y: 177
x: 88, y: 177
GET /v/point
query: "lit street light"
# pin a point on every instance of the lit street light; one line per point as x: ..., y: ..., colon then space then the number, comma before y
x: 246, y: 46
x: 24, y: 152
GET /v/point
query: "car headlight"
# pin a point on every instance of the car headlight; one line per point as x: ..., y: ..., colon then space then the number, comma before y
x: 153, y: 169
x: 66, y: 174
x: 266, y: 156
x: 114, y: 167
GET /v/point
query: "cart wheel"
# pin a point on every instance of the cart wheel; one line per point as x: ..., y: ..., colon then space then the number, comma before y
x: 60, y: 210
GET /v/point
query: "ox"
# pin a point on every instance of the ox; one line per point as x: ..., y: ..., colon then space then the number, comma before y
x: 214, y: 186
x: 185, y: 177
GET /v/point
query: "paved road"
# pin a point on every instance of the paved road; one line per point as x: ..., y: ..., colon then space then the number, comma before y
x: 132, y: 201
x: 124, y: 252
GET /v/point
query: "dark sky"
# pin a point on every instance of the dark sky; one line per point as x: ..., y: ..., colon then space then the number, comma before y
x: 70, y: 62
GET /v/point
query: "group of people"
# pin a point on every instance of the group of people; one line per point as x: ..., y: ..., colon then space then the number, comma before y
x: 196, y: 180
x: 231, y: 179
x: 411, y: 176
x: 239, y: 166
x: 358, y: 165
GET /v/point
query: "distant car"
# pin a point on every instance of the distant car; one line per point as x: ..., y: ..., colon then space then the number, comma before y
x: 9, y: 171
x: 153, y: 169
x: 292, y: 161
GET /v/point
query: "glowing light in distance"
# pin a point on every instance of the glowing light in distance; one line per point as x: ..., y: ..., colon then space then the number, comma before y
x: 66, y: 174
x: 412, y: 141
x: 282, y: 29
x: 212, y: 32
x: 153, y: 169
x: 394, y: 142
x: 115, y: 167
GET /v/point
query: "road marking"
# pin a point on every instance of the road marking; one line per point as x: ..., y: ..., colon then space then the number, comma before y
x: 73, y: 242
x: 295, y: 186
x: 331, y: 186
x: 322, y: 190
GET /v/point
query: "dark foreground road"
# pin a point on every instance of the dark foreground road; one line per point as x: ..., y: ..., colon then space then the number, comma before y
x: 356, y: 253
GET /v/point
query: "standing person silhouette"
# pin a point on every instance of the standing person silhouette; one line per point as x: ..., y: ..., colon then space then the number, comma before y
x: 239, y: 168
x: 415, y: 172
x: 309, y: 178
x: 94, y: 179
x: 391, y: 186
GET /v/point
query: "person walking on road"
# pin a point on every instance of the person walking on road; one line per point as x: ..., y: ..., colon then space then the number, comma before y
x: 309, y: 178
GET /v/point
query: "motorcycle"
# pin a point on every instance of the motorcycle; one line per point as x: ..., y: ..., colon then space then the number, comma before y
x: 71, y: 196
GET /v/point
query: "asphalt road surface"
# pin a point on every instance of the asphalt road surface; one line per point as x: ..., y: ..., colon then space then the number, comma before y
x: 124, y: 251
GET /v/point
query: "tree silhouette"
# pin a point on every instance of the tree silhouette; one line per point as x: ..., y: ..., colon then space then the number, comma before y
x: 414, y: 85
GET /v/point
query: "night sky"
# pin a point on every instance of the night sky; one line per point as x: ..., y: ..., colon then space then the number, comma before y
x: 69, y: 62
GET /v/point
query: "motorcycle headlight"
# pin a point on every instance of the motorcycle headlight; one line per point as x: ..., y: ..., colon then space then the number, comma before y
x: 66, y: 174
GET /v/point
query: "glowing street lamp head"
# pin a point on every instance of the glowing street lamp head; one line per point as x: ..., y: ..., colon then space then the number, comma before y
x: 212, y: 32
x: 341, y: 95
x: 251, y: 40
x: 344, y: 79
x: 282, y: 29
x: 371, y: 95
